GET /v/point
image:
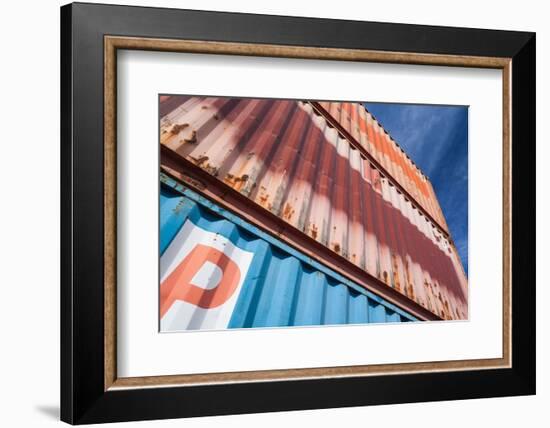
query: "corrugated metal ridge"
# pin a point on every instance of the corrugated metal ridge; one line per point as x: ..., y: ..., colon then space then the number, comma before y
x: 395, y: 141
x: 426, y: 202
x: 319, y: 108
x: 196, y: 197
x: 364, y: 127
x: 181, y: 170
x: 287, y: 159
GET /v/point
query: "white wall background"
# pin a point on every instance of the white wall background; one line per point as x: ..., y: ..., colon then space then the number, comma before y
x: 29, y: 218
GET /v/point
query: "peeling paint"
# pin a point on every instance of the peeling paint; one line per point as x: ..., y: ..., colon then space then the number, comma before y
x: 176, y: 129
x: 192, y: 139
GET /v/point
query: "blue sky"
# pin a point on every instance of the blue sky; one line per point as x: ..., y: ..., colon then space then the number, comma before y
x: 436, y: 138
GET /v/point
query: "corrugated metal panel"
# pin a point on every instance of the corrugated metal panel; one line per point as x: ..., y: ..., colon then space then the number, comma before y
x: 370, y: 134
x: 273, y: 285
x: 289, y: 159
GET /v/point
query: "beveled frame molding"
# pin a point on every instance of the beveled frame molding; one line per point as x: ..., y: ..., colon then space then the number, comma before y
x: 113, y: 43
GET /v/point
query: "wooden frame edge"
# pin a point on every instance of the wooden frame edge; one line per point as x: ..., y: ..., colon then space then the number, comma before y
x: 112, y: 43
x: 507, y: 208
x: 109, y: 176
x: 301, y: 52
x: 300, y: 374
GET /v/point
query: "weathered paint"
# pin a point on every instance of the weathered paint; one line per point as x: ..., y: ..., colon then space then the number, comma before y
x: 218, y: 271
x: 288, y: 158
x: 370, y: 134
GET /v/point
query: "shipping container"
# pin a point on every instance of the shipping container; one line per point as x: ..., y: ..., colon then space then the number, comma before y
x: 363, y: 128
x: 218, y: 271
x: 300, y: 161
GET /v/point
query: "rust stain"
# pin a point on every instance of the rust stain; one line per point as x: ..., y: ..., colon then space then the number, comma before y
x: 236, y: 182
x: 198, y: 184
x: 200, y: 160
x: 314, y: 231
x: 336, y: 248
x: 288, y: 211
x: 192, y: 139
x: 176, y: 129
x: 212, y: 170
x: 185, y: 178
x: 395, y: 274
x: 410, y: 292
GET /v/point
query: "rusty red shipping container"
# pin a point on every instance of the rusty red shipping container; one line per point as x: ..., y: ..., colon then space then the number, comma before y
x: 356, y: 120
x: 332, y: 172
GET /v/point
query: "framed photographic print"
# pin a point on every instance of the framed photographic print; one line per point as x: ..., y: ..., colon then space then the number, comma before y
x: 265, y: 213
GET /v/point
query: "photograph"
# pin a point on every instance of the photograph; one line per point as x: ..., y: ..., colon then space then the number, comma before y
x: 282, y: 210
x: 296, y: 213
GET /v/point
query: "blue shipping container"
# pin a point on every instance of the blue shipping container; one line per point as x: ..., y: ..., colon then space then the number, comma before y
x: 218, y: 271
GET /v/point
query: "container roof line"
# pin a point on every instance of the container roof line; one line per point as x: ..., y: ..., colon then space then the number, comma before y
x: 395, y: 141
x: 334, y: 123
x: 402, y: 151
